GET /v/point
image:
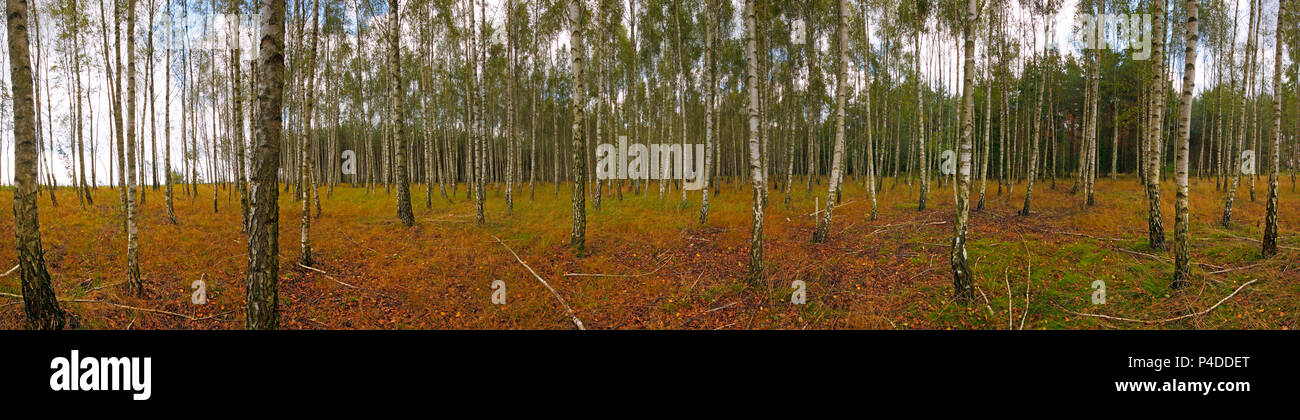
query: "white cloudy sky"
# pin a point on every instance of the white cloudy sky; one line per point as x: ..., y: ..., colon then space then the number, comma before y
x: 59, y: 97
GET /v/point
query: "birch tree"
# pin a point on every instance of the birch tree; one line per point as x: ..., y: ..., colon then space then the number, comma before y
x: 1240, y: 131
x: 264, y: 234
x: 1274, y: 156
x: 305, y: 149
x: 837, y: 157
x: 39, y: 302
x: 578, y: 235
x: 711, y: 86
x: 1182, y: 217
x: 403, y: 177
x: 755, y: 163
x: 1155, y: 227
x: 134, y: 284
x: 167, y: 119
x: 922, y: 10
x: 962, y: 280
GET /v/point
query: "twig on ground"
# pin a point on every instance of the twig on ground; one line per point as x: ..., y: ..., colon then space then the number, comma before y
x: 1089, y: 236
x: 119, y: 305
x: 1157, y: 257
x: 1160, y: 321
x: 313, y: 269
x: 1257, y: 241
x: 987, y: 304
x: 1226, y: 270
x: 1029, y: 282
x: 106, y: 286
x: 11, y: 271
x: 837, y: 206
x: 336, y: 280
x: 1006, y: 273
x: 722, y: 307
x: 576, y: 321
x: 661, y: 266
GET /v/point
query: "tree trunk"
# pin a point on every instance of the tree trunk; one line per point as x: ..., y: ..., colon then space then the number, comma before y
x: 39, y: 301
x: 578, y: 235
x: 962, y: 279
x: 988, y: 119
x: 920, y: 115
x: 1155, y: 227
x: 1235, y: 159
x: 403, y: 178
x: 263, y: 235
x: 1033, y: 142
x: 167, y: 132
x: 711, y: 84
x: 134, y: 285
x: 755, y: 274
x: 1182, y: 217
x: 837, y: 157
x: 1274, y: 156
x: 870, y: 161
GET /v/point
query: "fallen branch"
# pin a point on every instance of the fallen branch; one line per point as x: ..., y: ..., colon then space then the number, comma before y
x: 11, y: 271
x: 1029, y: 282
x: 313, y: 269
x: 613, y: 275
x: 1258, y: 241
x: 987, y: 304
x: 722, y: 307
x: 134, y: 308
x: 1010, y: 313
x: 327, y: 275
x: 837, y: 205
x: 363, y: 246
x: 1089, y: 236
x: 1165, y: 259
x: 576, y: 321
x: 1144, y: 254
x: 1234, y: 269
x: 1160, y: 321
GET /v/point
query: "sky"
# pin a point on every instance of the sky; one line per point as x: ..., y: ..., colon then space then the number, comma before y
x: 59, y: 99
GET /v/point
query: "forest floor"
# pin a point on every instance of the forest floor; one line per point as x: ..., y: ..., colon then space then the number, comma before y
x: 650, y: 265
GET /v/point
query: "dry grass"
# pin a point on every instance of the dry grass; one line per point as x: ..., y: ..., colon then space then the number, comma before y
x: 889, y: 273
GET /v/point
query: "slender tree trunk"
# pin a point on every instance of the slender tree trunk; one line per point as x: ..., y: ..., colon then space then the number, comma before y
x: 962, y: 279
x: 870, y: 159
x: 134, y: 285
x: 1182, y: 217
x: 578, y: 235
x: 399, y: 121
x: 837, y: 157
x: 1274, y: 156
x: 711, y: 85
x: 1155, y: 227
x: 1033, y: 141
x: 305, y: 156
x: 510, y: 107
x: 263, y: 235
x: 755, y: 163
x: 1240, y: 130
x: 167, y: 132
x: 920, y: 116
x: 988, y: 119
x: 39, y: 302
